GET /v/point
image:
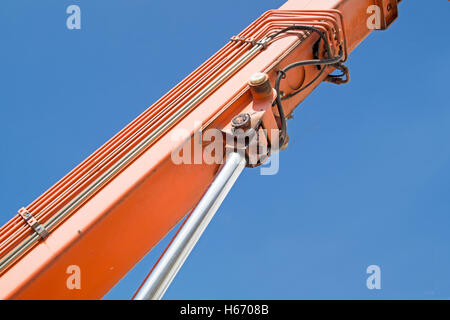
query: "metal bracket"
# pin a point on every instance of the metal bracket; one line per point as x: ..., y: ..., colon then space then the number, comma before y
x: 251, y: 41
x: 33, y: 223
x: 389, y: 12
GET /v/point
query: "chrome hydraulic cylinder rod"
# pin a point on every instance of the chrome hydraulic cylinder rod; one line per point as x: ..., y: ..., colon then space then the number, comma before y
x: 166, y: 269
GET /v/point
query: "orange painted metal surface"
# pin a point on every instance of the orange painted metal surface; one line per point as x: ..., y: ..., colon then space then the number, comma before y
x: 111, y: 231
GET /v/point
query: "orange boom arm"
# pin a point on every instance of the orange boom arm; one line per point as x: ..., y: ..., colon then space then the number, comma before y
x: 109, y: 211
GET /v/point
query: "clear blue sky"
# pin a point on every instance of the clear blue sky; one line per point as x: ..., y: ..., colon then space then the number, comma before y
x: 365, y: 180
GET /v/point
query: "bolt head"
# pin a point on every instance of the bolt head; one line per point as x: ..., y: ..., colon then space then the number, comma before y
x: 241, y: 121
x: 257, y: 78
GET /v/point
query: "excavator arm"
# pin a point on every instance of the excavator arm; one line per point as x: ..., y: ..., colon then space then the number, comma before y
x: 107, y: 213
